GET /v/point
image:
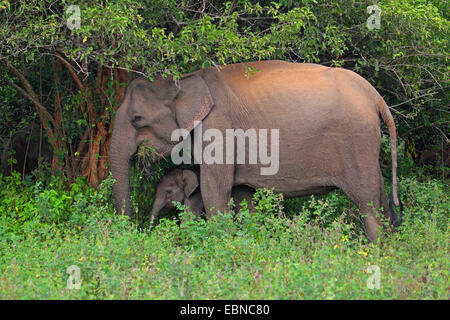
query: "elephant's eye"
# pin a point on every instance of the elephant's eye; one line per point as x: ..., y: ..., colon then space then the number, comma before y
x: 168, y: 191
x: 136, y: 119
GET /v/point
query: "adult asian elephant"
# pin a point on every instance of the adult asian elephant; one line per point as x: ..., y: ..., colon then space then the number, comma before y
x: 328, y: 122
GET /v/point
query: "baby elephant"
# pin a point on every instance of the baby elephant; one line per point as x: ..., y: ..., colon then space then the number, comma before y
x: 182, y: 185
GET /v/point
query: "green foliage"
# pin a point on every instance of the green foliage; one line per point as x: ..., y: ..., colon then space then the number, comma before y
x: 406, y: 59
x: 267, y: 202
x: 320, y: 252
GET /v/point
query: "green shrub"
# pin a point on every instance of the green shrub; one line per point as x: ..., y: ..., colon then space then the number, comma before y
x: 318, y: 251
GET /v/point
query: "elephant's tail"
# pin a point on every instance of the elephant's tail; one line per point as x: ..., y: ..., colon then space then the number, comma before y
x: 389, y: 120
x: 396, y: 219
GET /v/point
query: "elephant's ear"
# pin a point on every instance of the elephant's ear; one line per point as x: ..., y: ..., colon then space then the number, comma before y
x: 190, y: 182
x: 193, y: 102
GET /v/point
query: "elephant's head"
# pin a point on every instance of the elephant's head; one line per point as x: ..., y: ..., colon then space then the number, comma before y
x: 177, y: 185
x: 150, y: 111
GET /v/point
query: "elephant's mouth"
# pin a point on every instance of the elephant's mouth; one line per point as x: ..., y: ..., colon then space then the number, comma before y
x: 149, y: 160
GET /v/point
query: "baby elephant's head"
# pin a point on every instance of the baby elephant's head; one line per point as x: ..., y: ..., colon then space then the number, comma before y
x: 177, y: 185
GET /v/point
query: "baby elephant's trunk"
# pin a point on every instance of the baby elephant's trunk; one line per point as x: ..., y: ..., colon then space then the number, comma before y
x: 157, y: 207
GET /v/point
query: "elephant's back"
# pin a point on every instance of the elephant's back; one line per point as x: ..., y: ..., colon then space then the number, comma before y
x: 252, y: 72
x: 289, y: 95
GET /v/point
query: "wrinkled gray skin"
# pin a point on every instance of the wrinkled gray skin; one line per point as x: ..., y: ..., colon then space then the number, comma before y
x: 26, y: 146
x: 182, y: 185
x: 328, y: 121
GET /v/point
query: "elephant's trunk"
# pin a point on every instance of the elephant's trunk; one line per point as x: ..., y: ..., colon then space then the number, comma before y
x: 159, y: 204
x: 157, y: 207
x: 123, y: 146
x: 120, y: 168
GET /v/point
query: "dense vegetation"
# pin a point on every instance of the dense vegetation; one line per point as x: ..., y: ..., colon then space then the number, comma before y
x: 71, y: 80
x: 318, y: 251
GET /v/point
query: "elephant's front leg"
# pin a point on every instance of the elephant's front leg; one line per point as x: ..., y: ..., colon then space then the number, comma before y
x: 216, y: 182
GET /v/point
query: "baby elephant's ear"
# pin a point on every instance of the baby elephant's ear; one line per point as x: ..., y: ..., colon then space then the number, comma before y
x: 190, y: 182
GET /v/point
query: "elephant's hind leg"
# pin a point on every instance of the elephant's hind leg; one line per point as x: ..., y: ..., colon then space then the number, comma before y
x: 384, y: 203
x: 365, y: 188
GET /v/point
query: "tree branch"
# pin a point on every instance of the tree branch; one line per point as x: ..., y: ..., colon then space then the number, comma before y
x: 70, y: 68
x: 31, y: 95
